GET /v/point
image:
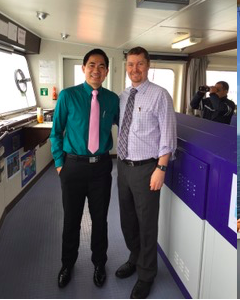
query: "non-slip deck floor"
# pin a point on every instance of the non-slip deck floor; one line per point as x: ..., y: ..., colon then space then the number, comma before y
x: 30, y: 251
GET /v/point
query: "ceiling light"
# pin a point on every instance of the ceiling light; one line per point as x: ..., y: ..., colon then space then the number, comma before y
x: 186, y: 43
x: 41, y: 15
x: 64, y: 36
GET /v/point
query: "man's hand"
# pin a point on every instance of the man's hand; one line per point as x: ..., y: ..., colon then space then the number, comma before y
x: 157, y: 180
x: 238, y: 225
x: 59, y: 170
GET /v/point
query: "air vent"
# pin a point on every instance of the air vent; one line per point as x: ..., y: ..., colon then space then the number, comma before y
x: 162, y: 4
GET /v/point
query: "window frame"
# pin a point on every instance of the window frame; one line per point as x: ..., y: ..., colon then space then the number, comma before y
x: 218, y: 70
x: 179, y: 70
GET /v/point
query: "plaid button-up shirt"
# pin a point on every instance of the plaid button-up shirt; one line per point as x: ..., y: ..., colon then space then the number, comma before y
x: 153, y: 128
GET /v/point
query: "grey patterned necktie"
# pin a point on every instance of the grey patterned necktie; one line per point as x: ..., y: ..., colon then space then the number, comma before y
x: 127, y: 120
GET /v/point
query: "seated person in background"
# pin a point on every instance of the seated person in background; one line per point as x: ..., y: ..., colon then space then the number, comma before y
x: 217, y: 107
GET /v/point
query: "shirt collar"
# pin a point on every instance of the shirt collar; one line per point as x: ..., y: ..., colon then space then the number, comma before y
x: 142, y: 87
x: 89, y: 89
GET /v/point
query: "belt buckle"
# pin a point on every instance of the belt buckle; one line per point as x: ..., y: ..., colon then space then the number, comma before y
x: 131, y: 163
x: 93, y: 159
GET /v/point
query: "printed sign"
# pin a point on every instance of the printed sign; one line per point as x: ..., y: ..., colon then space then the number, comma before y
x: 28, y: 167
x: 44, y: 91
x: 13, y: 164
x: 47, y: 72
x: 21, y: 36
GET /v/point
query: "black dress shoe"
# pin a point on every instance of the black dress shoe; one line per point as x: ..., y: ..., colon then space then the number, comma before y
x: 141, y: 290
x: 64, y: 277
x: 99, y: 276
x: 125, y: 270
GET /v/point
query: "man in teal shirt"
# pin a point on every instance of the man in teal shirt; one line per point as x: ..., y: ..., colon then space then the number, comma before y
x: 83, y: 173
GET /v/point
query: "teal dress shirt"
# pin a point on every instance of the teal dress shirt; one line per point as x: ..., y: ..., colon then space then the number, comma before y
x: 71, y: 121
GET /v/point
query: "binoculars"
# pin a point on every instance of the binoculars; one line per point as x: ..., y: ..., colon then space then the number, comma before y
x: 203, y: 88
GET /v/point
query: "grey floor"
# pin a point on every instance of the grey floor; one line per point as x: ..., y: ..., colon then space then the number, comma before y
x: 30, y: 251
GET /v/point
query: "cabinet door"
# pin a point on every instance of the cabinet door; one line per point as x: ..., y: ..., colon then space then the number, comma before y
x: 190, y: 178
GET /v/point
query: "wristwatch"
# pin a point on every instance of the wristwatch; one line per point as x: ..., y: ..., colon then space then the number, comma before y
x: 161, y: 167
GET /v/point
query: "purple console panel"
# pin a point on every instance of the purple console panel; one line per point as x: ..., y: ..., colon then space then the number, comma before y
x: 201, y: 175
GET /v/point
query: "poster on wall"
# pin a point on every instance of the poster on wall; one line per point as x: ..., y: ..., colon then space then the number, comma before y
x: 232, y: 218
x: 12, y: 165
x: 47, y: 71
x: 28, y: 167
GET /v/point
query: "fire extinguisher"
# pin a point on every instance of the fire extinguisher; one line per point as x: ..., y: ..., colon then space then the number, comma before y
x: 54, y: 93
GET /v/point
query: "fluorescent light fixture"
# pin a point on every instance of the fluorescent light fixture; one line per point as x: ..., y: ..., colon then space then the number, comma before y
x: 186, y: 43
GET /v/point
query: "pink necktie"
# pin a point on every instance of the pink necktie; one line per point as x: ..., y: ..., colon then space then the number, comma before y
x: 93, y: 137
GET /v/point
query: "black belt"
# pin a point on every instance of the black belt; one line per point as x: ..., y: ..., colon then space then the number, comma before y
x: 89, y: 159
x: 134, y: 163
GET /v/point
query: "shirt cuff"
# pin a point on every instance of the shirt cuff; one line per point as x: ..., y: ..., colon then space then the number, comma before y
x: 167, y: 150
x: 58, y: 163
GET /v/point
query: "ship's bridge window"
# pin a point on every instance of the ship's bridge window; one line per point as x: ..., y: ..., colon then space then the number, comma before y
x: 229, y: 76
x: 162, y: 77
x: 17, y: 92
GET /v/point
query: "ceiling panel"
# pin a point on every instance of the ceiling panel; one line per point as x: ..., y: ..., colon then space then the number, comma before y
x: 119, y: 24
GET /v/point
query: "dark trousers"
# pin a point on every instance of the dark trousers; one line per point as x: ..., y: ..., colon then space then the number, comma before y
x: 81, y: 179
x: 139, y: 209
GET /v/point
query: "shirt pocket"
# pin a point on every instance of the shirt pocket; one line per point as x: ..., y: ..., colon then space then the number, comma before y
x: 142, y: 120
x: 106, y: 121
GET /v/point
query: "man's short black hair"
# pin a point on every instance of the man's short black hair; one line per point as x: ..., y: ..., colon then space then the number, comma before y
x: 224, y: 85
x: 139, y: 50
x: 96, y: 52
